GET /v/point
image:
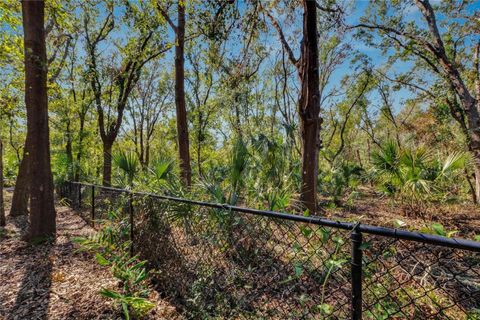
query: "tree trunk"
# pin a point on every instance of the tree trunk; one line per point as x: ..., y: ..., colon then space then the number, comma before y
x: 309, y: 107
x: 199, y: 143
x: 21, y: 192
x: 42, y: 209
x: 473, y: 192
x: 199, y: 158
x: 107, y: 163
x: 469, y: 104
x: 69, y: 152
x: 78, y: 167
x: 476, y: 163
x: 182, y: 125
x: 2, y: 206
x: 147, y: 154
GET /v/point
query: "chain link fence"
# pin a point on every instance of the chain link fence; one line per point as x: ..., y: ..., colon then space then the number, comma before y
x: 225, y: 262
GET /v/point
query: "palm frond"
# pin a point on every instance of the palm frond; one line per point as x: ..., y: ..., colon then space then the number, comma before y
x: 128, y: 163
x: 453, y: 162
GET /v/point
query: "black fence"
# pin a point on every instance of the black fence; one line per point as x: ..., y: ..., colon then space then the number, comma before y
x: 226, y: 262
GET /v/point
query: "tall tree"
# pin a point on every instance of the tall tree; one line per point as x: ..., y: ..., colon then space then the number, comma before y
x: 202, y: 87
x: 148, y: 101
x: 21, y: 192
x: 309, y: 101
x: 42, y: 209
x: 2, y: 205
x: 182, y: 124
x: 56, y: 32
x: 112, y: 86
x: 441, y: 51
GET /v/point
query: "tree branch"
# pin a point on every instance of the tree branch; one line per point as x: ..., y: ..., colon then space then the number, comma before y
x: 165, y: 15
x: 283, y: 40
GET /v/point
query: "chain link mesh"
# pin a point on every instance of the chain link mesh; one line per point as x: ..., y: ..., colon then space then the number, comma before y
x: 215, y: 263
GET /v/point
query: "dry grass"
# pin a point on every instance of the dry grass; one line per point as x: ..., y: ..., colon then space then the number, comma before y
x: 375, y: 209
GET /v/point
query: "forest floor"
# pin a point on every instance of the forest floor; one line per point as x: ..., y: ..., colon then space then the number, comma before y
x: 55, y: 280
x: 374, y: 209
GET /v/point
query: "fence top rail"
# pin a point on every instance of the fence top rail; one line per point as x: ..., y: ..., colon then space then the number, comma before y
x: 400, y: 234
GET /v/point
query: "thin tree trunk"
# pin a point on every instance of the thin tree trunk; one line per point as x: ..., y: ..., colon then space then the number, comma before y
x: 141, y: 156
x: 182, y: 125
x: 78, y: 167
x: 21, y: 192
x: 147, y: 154
x: 199, y: 144
x: 42, y: 209
x: 476, y: 161
x: 309, y: 107
x: 473, y: 118
x: 470, y: 185
x: 107, y: 163
x: 69, y: 152
x: 2, y: 205
x: 199, y: 158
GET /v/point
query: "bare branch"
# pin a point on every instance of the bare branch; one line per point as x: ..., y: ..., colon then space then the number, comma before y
x: 62, y: 61
x: 165, y: 15
x: 283, y: 40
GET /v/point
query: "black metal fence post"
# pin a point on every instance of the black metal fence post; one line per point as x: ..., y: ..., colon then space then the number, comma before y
x: 93, y: 206
x: 356, y: 266
x: 70, y: 196
x: 130, y: 212
x: 79, y: 196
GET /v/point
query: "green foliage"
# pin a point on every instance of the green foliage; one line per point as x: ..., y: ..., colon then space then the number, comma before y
x: 343, y: 178
x: 128, y: 163
x: 439, y: 230
x: 230, y: 190
x: 163, y: 169
x: 109, y: 249
x: 238, y: 165
x: 141, y: 306
x: 414, y: 174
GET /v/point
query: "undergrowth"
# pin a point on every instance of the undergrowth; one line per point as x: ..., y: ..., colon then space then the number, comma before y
x: 110, y: 248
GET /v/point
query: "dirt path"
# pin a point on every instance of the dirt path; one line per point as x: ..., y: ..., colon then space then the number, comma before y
x: 55, y: 281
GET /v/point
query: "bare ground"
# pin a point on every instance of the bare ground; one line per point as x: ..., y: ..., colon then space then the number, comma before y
x: 55, y: 280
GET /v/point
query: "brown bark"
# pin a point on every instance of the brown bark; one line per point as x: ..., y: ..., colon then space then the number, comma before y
x: 78, y: 167
x: 309, y: 106
x: 69, y: 152
x: 21, y: 192
x: 2, y: 206
x: 42, y: 210
x: 309, y: 100
x: 107, y: 163
x: 182, y: 125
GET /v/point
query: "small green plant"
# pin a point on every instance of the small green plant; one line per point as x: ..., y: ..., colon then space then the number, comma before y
x: 140, y: 305
x: 438, y: 229
x: 109, y: 250
x: 163, y: 169
x: 340, y: 180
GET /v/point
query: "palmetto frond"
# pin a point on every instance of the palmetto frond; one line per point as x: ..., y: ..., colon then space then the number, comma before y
x: 128, y: 163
